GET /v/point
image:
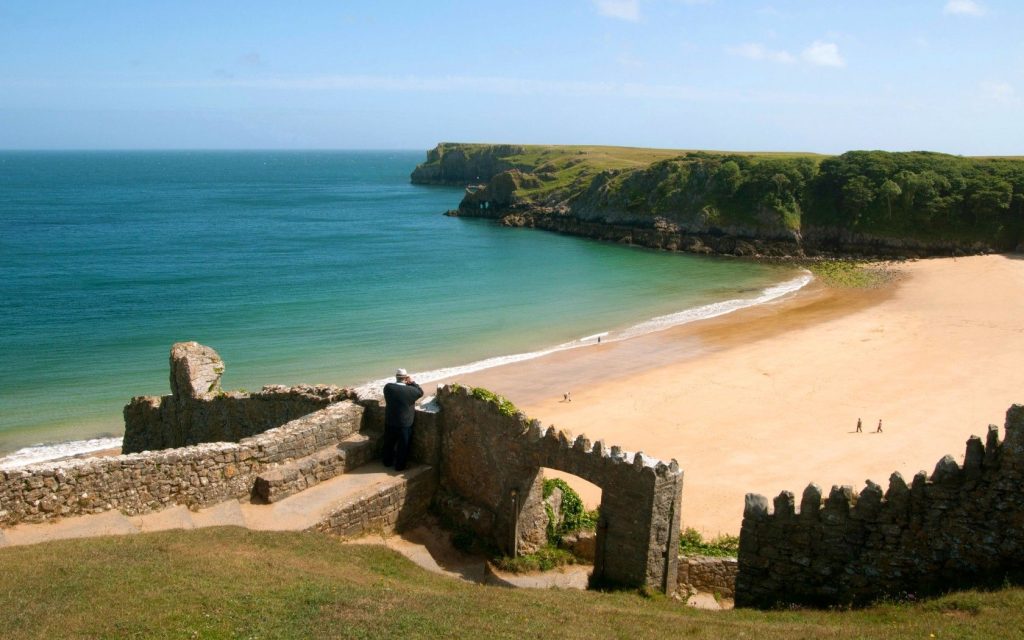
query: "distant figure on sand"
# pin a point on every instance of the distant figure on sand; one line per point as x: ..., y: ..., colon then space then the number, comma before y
x: 567, y: 397
x: 879, y: 429
x: 859, y: 430
x: 400, y: 398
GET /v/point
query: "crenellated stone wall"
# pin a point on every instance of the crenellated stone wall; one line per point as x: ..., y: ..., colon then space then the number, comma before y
x: 963, y: 526
x: 199, y: 411
x: 491, y: 482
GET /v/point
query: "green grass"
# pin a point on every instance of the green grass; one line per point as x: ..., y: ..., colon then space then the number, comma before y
x: 233, y: 583
x: 565, y: 167
x: 850, y: 274
x: 692, y: 543
x: 505, y: 407
x: 544, y: 559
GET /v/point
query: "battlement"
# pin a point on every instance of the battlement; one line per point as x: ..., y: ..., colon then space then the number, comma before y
x: 491, y: 482
x: 958, y: 526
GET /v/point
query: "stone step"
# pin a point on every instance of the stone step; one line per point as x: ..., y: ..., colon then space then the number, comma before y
x: 371, y: 497
x: 292, y: 477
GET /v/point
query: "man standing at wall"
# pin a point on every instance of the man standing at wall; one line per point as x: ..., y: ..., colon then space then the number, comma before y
x: 400, y: 398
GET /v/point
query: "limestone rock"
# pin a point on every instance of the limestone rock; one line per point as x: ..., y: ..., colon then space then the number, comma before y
x: 195, y: 370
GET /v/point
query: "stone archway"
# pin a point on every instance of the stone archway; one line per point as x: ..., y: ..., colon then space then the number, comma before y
x: 490, y: 460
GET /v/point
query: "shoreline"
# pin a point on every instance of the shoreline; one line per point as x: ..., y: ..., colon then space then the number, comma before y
x: 49, y: 451
x: 766, y: 399
x: 531, y: 383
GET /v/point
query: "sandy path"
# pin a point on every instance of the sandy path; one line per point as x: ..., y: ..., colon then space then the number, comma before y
x: 767, y: 399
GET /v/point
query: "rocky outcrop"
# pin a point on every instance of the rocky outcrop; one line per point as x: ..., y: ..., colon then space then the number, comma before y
x: 503, y: 192
x: 664, y: 238
x: 195, y: 371
x: 461, y: 164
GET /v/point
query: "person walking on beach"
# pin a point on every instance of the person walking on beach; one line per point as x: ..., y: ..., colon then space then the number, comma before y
x: 400, y: 399
x: 879, y: 429
x: 859, y: 430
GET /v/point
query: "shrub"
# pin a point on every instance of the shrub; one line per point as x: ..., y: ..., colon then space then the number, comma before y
x: 575, y: 516
x: 691, y: 543
x: 544, y: 559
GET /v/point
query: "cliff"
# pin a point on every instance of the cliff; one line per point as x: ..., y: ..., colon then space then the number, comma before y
x: 461, y: 164
x: 860, y: 203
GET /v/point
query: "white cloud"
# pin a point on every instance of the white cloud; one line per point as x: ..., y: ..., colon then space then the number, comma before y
x: 823, y: 54
x: 999, y: 92
x: 756, y: 51
x: 620, y: 9
x: 964, y: 8
x: 819, y: 53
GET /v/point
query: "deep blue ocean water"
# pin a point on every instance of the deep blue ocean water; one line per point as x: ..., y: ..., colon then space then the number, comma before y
x: 296, y: 267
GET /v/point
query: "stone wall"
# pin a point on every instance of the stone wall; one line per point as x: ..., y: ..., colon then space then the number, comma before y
x: 199, y: 411
x: 963, y: 526
x: 138, y: 483
x: 386, y: 511
x: 708, y: 575
x: 482, y: 467
x: 490, y: 482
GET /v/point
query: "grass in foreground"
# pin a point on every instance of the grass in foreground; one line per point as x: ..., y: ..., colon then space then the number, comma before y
x: 233, y: 583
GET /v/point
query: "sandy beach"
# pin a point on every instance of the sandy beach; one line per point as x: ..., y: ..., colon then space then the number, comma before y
x: 767, y: 399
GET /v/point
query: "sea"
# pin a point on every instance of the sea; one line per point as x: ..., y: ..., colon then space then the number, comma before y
x: 297, y: 267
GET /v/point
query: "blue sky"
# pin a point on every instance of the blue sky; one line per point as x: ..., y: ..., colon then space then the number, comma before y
x: 811, y: 75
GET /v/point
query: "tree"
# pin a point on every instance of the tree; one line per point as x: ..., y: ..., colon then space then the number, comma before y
x: 987, y: 196
x: 858, y: 195
x: 781, y: 183
x: 890, y: 190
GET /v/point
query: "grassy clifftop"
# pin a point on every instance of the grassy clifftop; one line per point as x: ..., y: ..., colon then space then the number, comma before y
x: 856, y: 202
x: 233, y: 583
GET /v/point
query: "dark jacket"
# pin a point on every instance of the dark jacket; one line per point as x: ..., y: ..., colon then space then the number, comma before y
x: 401, y: 400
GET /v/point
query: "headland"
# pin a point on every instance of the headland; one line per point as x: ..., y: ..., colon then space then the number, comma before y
x: 859, y: 203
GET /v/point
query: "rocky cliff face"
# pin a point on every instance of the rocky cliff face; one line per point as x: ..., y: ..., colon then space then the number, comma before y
x: 751, y: 205
x: 461, y: 164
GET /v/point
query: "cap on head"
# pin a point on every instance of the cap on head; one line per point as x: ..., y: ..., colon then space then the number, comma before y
x: 401, y: 373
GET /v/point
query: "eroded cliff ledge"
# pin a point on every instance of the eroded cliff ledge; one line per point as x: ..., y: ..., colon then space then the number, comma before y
x: 861, y: 203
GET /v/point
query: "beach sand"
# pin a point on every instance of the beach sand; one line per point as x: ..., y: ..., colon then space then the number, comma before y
x: 767, y: 399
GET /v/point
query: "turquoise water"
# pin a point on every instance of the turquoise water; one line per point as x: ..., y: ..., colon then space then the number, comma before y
x: 296, y: 266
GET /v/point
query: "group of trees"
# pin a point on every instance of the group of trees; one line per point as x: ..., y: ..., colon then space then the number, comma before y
x: 918, y: 195
x: 921, y: 194
x: 716, y: 189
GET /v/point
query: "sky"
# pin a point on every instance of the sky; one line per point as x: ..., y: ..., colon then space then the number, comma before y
x: 787, y: 75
